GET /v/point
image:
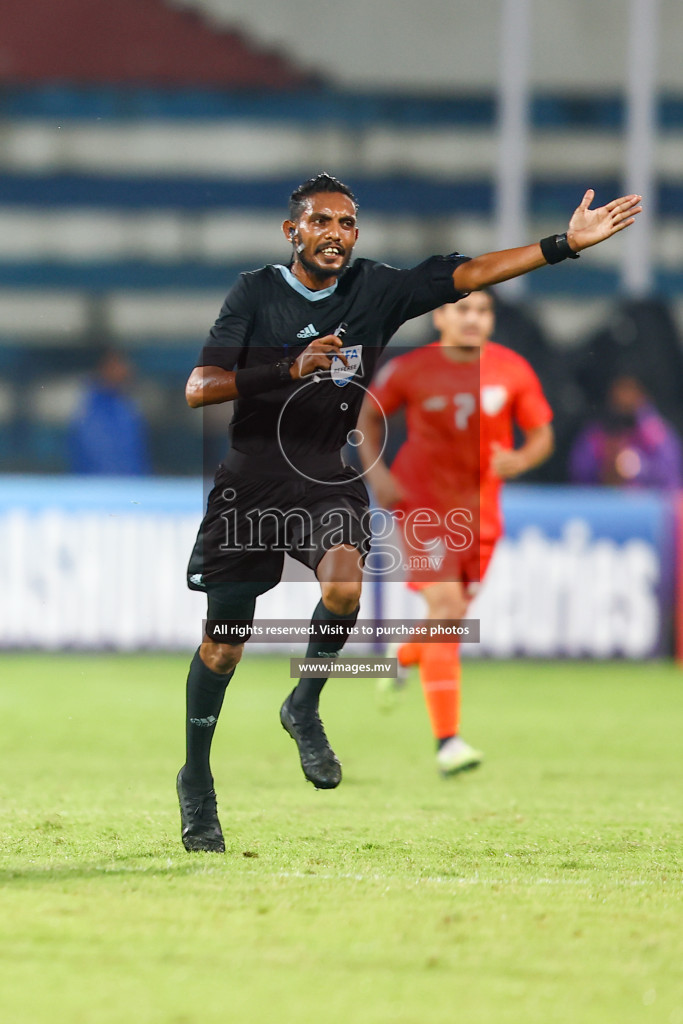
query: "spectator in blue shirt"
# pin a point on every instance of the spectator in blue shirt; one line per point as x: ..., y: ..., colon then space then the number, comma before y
x: 108, y: 434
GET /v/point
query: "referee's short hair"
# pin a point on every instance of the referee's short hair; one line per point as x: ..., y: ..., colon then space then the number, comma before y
x: 322, y: 182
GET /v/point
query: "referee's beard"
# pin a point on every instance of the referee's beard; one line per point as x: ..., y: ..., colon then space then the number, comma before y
x: 315, y: 270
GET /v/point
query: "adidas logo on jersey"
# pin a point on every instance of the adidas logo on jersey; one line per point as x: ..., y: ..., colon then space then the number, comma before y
x: 308, y: 332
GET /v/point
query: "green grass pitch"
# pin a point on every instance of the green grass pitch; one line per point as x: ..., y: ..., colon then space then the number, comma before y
x: 544, y: 888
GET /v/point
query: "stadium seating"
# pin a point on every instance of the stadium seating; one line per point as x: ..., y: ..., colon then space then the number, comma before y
x: 115, y: 43
x: 134, y: 188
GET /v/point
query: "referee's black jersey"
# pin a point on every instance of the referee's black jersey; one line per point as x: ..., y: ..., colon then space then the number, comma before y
x: 265, y: 319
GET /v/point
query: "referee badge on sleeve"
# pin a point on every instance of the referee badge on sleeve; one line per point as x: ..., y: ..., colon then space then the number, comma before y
x: 341, y: 375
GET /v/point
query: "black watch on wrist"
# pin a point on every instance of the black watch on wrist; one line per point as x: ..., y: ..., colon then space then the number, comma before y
x: 565, y: 248
x: 283, y: 368
x: 556, y: 248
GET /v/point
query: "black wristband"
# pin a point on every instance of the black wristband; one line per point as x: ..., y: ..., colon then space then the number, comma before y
x: 556, y: 248
x: 254, y: 380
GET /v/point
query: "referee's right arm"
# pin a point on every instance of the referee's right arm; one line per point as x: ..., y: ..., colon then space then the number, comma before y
x: 210, y: 385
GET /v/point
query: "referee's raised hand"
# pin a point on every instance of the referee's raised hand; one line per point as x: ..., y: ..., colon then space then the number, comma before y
x: 318, y: 356
x: 588, y: 227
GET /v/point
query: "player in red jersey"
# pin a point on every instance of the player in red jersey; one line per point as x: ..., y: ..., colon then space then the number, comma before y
x: 461, y: 396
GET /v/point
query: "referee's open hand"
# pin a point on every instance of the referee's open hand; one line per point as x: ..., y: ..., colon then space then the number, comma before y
x: 588, y: 227
x: 318, y: 356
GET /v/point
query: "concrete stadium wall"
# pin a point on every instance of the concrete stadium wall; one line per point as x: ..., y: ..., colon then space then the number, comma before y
x: 578, y: 45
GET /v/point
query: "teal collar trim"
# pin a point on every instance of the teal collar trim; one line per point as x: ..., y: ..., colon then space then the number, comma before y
x: 296, y: 284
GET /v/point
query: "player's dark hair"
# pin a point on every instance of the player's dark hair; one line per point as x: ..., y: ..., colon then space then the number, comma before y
x: 323, y: 182
x: 489, y: 291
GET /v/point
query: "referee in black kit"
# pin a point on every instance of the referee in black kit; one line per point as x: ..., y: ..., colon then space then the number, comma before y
x: 286, y: 345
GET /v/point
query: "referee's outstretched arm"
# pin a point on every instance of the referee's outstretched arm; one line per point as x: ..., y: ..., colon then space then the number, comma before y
x: 211, y: 385
x: 587, y: 227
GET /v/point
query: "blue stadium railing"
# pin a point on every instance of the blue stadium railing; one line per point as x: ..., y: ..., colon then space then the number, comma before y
x: 135, y: 275
x: 604, y: 112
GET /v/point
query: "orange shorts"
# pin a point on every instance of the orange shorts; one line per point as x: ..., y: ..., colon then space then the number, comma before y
x: 467, y: 567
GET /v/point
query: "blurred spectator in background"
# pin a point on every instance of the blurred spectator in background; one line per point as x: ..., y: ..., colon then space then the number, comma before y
x: 108, y: 434
x: 630, y: 445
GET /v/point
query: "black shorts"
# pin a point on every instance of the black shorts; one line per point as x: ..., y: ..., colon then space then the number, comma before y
x: 252, y: 521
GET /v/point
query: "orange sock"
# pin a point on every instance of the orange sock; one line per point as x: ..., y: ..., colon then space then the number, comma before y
x: 440, y: 675
x: 409, y: 654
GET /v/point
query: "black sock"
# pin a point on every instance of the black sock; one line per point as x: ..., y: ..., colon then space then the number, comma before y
x: 445, y: 739
x: 307, y: 691
x: 205, y: 693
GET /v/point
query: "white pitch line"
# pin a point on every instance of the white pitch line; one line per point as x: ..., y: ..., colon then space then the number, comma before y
x: 464, y: 881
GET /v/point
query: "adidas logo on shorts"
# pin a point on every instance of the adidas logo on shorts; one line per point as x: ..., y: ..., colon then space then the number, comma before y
x: 308, y: 332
